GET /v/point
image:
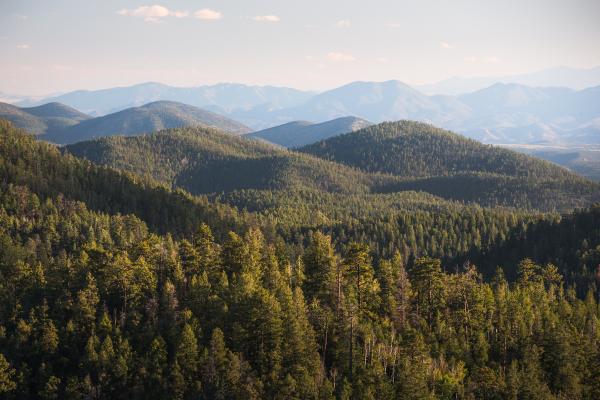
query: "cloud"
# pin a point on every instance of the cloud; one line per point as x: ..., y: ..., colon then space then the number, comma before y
x: 207, y: 13
x: 266, y: 18
x: 23, y: 46
x: 334, y: 56
x: 492, y: 60
x: 309, y: 58
x: 446, y: 45
x: 343, y: 23
x: 393, y: 25
x: 471, y: 59
x: 152, y: 13
x: 382, y: 59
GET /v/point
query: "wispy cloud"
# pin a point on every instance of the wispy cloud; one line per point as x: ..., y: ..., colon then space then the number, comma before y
x: 208, y: 14
x: 492, y: 60
x: 266, y: 18
x: 21, y: 17
x: 382, y: 59
x: 23, y: 46
x: 446, y: 45
x: 343, y: 23
x: 393, y: 25
x: 335, y: 56
x: 152, y: 13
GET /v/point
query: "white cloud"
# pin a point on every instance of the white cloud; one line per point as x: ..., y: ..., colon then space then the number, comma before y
x: 207, y: 13
x: 492, y: 60
x: 23, y: 46
x: 309, y: 58
x: 152, y: 13
x: 446, y: 45
x: 471, y: 59
x: 267, y: 18
x: 334, y: 56
x: 343, y: 23
x: 393, y: 25
x: 382, y: 59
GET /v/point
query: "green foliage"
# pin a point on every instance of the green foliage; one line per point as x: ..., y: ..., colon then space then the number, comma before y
x: 95, y: 304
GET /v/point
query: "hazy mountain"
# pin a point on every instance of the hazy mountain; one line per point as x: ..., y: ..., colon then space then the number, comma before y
x: 42, y: 119
x: 222, y: 97
x: 573, y: 78
x: 376, y: 101
x: 300, y: 133
x: 145, y: 119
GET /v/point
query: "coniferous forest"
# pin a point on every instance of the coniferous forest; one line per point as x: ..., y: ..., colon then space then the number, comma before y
x: 192, y: 264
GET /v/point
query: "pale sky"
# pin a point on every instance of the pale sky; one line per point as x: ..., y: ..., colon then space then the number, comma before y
x: 63, y: 45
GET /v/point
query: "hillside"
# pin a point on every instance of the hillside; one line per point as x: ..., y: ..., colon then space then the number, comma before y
x: 204, y: 160
x: 452, y: 166
x: 413, y: 149
x: 148, y: 118
x: 300, y: 133
x: 42, y: 119
x: 47, y: 173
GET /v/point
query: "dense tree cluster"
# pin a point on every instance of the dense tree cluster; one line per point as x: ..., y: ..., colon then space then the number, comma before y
x: 115, y: 286
x: 96, y: 306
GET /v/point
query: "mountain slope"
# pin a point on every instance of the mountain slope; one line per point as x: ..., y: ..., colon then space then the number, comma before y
x: 300, y: 133
x: 42, y: 119
x: 377, y: 101
x: 46, y: 172
x: 203, y: 160
x: 452, y: 166
x: 148, y: 118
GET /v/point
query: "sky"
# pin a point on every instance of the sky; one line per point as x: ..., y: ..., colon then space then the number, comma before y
x: 63, y: 45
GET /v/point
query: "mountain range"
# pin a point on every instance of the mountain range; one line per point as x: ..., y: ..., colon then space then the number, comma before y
x: 42, y: 119
x: 502, y: 113
x: 61, y: 124
x: 573, y: 78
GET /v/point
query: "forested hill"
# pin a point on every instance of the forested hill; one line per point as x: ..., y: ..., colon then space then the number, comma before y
x: 414, y: 149
x: 93, y: 305
x: 47, y: 173
x: 148, y: 118
x: 42, y: 119
x: 206, y: 161
x: 203, y: 160
x: 454, y: 167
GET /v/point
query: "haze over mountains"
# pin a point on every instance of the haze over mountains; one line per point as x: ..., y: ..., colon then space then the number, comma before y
x: 573, y: 78
x: 500, y: 113
x: 61, y: 124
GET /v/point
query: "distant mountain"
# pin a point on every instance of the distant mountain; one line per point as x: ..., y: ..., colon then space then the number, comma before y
x: 376, y: 101
x: 221, y: 98
x: 501, y: 113
x: 145, y: 119
x: 42, y: 119
x: 573, y: 78
x: 300, y: 133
